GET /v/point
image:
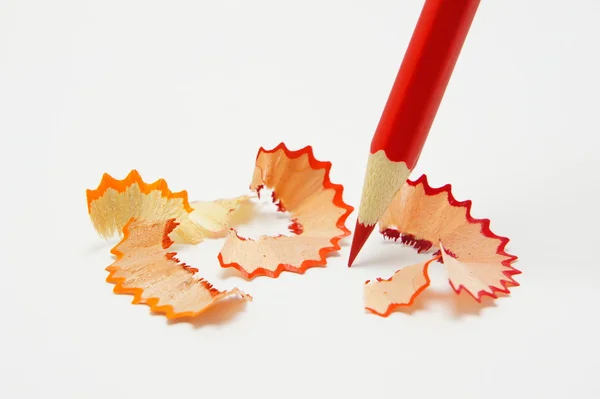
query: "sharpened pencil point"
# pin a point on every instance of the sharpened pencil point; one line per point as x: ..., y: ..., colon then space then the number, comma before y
x: 361, y: 233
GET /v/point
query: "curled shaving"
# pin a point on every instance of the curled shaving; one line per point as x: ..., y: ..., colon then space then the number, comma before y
x: 301, y: 186
x: 114, y: 202
x: 154, y: 276
x: 431, y: 219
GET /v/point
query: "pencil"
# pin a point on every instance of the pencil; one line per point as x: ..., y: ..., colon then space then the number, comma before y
x: 411, y: 107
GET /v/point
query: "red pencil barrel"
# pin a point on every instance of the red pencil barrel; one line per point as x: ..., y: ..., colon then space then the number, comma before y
x: 423, y: 77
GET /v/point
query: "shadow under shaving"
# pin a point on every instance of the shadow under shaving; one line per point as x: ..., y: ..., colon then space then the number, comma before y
x: 232, y: 272
x: 102, y: 245
x: 459, y: 304
x: 345, y: 241
x: 221, y: 312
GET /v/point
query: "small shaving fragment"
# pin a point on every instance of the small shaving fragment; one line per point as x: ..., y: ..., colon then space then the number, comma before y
x: 301, y: 186
x: 429, y: 219
x: 144, y: 268
x: 383, y: 296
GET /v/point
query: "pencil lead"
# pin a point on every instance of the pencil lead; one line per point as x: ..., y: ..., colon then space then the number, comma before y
x: 361, y: 233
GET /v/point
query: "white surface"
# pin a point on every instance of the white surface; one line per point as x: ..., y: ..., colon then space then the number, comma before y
x: 189, y: 91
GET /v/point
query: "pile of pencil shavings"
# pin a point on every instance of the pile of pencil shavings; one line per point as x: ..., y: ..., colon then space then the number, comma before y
x: 150, y: 218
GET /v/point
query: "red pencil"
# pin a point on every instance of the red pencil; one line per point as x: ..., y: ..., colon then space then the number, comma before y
x: 411, y: 107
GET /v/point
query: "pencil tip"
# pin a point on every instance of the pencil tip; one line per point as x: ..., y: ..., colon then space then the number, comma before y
x: 361, y: 234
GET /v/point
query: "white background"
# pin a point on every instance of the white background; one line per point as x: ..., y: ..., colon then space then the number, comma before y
x: 189, y: 90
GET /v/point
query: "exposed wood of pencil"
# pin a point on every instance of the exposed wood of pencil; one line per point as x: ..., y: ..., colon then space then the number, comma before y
x: 411, y: 107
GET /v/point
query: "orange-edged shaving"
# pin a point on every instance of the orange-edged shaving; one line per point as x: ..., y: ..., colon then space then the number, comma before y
x: 431, y: 219
x: 301, y: 187
x: 154, y: 276
x: 115, y: 202
x: 383, y: 296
